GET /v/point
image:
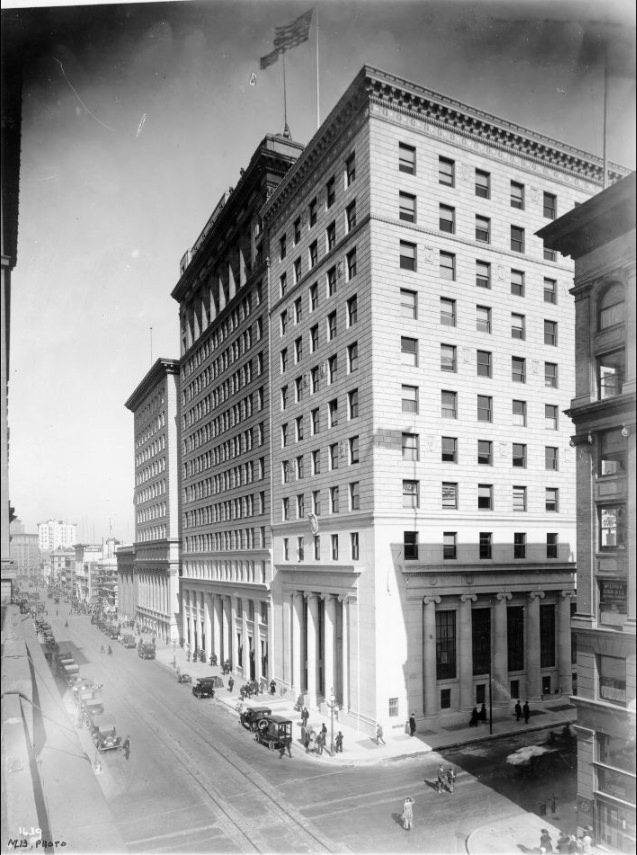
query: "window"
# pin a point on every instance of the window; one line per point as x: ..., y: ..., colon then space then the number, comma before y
x: 485, y: 452
x: 484, y: 363
x: 297, y: 230
x: 315, y: 419
x: 285, y: 471
x: 517, y: 195
x: 517, y: 283
x: 354, y: 496
x: 312, y: 210
x: 330, y: 236
x: 612, y: 679
x: 485, y: 408
x: 352, y: 402
x: 300, y: 506
x: 407, y: 207
x: 449, y: 449
x: 298, y: 388
x: 551, y: 496
x: 483, y: 184
x: 481, y: 641
x: 331, y: 282
x: 446, y: 172
x: 549, y: 207
x: 409, y: 396
x: 283, y: 247
x: 611, y: 306
x: 354, y: 546
x: 285, y: 509
x: 612, y: 452
x: 483, y: 274
x: 334, y: 546
x: 300, y: 549
x: 519, y: 498
x: 445, y: 645
x: 411, y: 450
x: 485, y: 497
x: 518, y: 369
x: 483, y: 229
x: 352, y: 311
x: 407, y: 255
x: 611, y: 527
x: 551, y: 458
x: 408, y: 304
x: 449, y: 496
x: 449, y: 545
x: 410, y: 545
x: 447, y: 357
x: 406, y: 158
x: 286, y: 549
x: 298, y: 310
x: 519, y: 455
x: 313, y: 254
x: 549, y: 254
x: 518, y: 411
x: 353, y: 450
x: 447, y: 312
x: 515, y: 643
x: 486, y: 538
x: 332, y: 368
x: 314, y: 374
x: 352, y: 357
x: 314, y: 338
x: 519, y: 545
x: 411, y: 490
x: 317, y: 548
x: 351, y: 264
x: 299, y: 428
x: 332, y: 413
x: 332, y: 328
x: 518, y: 326
x: 449, y: 404
x: 610, y: 374
x: 483, y: 319
x: 550, y: 416
x: 333, y: 500
x: 447, y: 219
x: 298, y: 349
x: 316, y: 462
x: 284, y: 397
x: 297, y: 271
x: 350, y: 216
x: 284, y: 360
x: 330, y: 192
x: 350, y: 169
x: 517, y: 239
x: 550, y: 333
x: 547, y: 636
x: 550, y: 375
x: 283, y: 284
x: 409, y: 351
x: 550, y: 291
x: 313, y: 297
x: 448, y: 266
x: 299, y: 467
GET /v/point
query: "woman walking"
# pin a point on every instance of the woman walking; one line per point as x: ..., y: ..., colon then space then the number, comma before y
x: 408, y: 813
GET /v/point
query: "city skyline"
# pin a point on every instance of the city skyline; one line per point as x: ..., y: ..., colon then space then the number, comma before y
x: 122, y: 157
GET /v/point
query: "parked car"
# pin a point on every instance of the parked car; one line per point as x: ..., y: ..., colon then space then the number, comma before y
x: 146, y: 650
x: 204, y: 688
x: 104, y: 732
x: 253, y: 717
x: 128, y: 640
x: 276, y: 734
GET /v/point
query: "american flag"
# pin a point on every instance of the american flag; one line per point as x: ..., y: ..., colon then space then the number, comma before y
x: 291, y: 35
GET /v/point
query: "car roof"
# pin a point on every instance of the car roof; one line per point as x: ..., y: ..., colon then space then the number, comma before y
x: 257, y: 709
x: 205, y: 679
x: 280, y: 719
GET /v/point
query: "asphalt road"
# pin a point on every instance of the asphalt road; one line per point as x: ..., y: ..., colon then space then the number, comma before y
x: 197, y: 782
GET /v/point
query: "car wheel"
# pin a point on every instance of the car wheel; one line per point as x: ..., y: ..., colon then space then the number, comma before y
x: 262, y: 724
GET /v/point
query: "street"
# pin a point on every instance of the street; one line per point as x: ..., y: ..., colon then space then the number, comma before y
x: 197, y: 781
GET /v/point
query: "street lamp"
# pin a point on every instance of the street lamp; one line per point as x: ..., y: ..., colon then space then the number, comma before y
x: 331, y: 705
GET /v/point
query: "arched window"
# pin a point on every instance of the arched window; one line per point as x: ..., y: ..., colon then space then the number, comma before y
x: 611, y: 306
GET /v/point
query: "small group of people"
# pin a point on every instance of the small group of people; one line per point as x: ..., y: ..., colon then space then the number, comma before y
x: 568, y: 844
x: 314, y: 741
x: 522, y: 711
x: 446, y: 780
x: 478, y: 716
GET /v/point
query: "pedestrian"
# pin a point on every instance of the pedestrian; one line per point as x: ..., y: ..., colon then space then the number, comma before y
x: 126, y: 747
x: 587, y: 841
x: 482, y: 715
x: 518, y: 710
x: 412, y: 724
x: 408, y: 813
x: 545, y: 840
x: 441, y: 783
x: 305, y: 715
x: 272, y: 687
x: 379, y: 735
x: 573, y: 845
x: 286, y: 745
x: 339, y: 742
x: 527, y: 712
x: 320, y: 742
x: 473, y: 721
x: 451, y: 779
x: 562, y: 843
x: 230, y: 685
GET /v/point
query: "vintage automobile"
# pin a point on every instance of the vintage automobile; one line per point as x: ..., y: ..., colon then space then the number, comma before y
x: 104, y: 732
x: 253, y: 717
x: 128, y: 640
x: 204, y: 687
x: 276, y: 734
x: 90, y: 709
x: 184, y: 678
x: 146, y: 650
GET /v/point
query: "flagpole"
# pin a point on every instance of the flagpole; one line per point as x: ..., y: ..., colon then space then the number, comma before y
x: 605, y: 122
x: 285, y: 101
x: 318, y: 108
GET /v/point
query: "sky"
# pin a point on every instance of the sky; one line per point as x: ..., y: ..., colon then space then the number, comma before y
x: 137, y: 118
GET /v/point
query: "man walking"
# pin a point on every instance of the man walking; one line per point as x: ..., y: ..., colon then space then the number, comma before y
x: 304, y: 716
x: 441, y: 783
x: 518, y: 710
x: 527, y: 712
x: 286, y: 745
x: 408, y: 813
x: 379, y: 735
x: 412, y: 724
x: 126, y: 747
x: 339, y: 742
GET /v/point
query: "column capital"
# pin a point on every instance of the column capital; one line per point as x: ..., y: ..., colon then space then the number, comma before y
x: 569, y: 594
x: 344, y: 598
x: 503, y: 597
x: 432, y: 600
x: 539, y: 594
x: 468, y: 598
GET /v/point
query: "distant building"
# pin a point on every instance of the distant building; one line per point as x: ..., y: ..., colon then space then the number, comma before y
x: 25, y: 552
x: 87, y: 558
x: 600, y: 236
x: 62, y: 573
x: 55, y: 533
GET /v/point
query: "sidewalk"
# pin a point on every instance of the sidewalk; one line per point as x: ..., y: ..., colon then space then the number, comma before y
x: 358, y: 747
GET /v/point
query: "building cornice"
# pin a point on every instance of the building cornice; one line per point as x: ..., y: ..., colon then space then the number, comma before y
x: 161, y: 369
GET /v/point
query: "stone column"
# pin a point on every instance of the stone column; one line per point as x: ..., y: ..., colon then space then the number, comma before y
x: 345, y: 700
x: 329, y: 630
x: 430, y: 702
x: 312, y: 646
x: 465, y: 652
x: 207, y: 611
x: 217, y: 606
x: 256, y: 631
x: 234, y: 625
x: 500, y: 652
x: 533, y: 676
x: 297, y: 651
x: 565, y: 666
x: 184, y: 615
x: 228, y: 647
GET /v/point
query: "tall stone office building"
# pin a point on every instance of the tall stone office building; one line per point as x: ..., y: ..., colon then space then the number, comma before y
x: 378, y: 493
x: 600, y: 237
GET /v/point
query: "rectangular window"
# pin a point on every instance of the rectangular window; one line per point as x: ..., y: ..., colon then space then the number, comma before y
x: 283, y: 250
x: 316, y: 462
x: 332, y: 412
x: 317, y: 548
x: 517, y: 195
x: 332, y: 368
x: 331, y: 282
x: 485, y: 497
x: 547, y: 635
x: 354, y: 496
x: 486, y: 545
x: 447, y: 219
x: 449, y: 404
x: 312, y: 212
x: 286, y: 549
x: 517, y: 239
x: 448, y: 266
x: 550, y: 291
x: 447, y: 312
x: 518, y: 326
x: 352, y: 357
x: 283, y: 284
x: 284, y: 398
x: 330, y: 236
x: 551, y: 544
x: 353, y: 450
x: 406, y: 158
x: 409, y: 351
x: 332, y: 328
x: 549, y: 254
x: 299, y: 428
x: 515, y: 638
x: 550, y: 333
x: 485, y: 452
x: 447, y: 357
x: 351, y: 264
x: 519, y: 544
x: 297, y: 230
x: 350, y: 169
x: 519, y: 455
x: 446, y: 172
x: 313, y: 254
x: 334, y: 500
x: 483, y: 274
x: 449, y: 496
x: 298, y: 349
x: 410, y: 545
x: 550, y: 375
x: 445, y: 645
x: 612, y: 452
x: 313, y: 297
x: 314, y: 338
x: 352, y: 311
x: 518, y: 369
x: 549, y: 207
x: 517, y: 283
x: 299, y: 467
x: 612, y: 680
x: 481, y: 639
x: 285, y: 509
x: 354, y: 547
x: 330, y: 192
x: 483, y: 229
x: 334, y: 547
x: 611, y: 369
x: 297, y: 271
x: 551, y: 499
x: 350, y: 216
x: 411, y: 494
x: 449, y: 449
x: 407, y: 255
x: 314, y: 374
x: 550, y: 416
x: 298, y: 387
x: 611, y: 527
x: 483, y: 184
x: 518, y: 411
x: 300, y: 506
x: 551, y: 458
x: 407, y: 207
x: 315, y: 417
x: 519, y: 499
x: 449, y: 545
x: 484, y: 363
x: 485, y: 408
x: 298, y: 310
x: 352, y: 404
x: 284, y: 360
x: 483, y: 319
x: 409, y: 397
x: 411, y: 450
x: 408, y: 304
